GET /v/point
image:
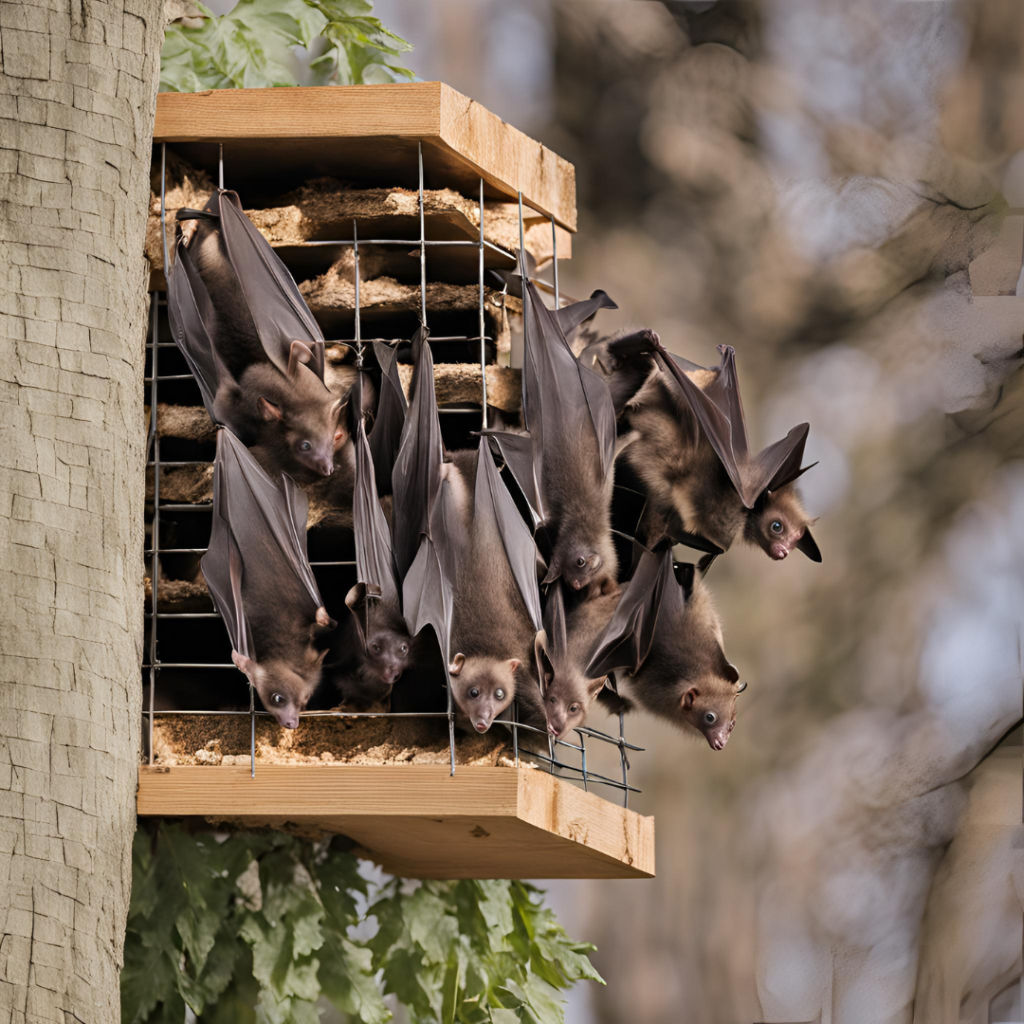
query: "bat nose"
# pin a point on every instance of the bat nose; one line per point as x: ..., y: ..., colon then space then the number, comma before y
x: 718, y: 743
x: 779, y: 551
x: 290, y: 722
x: 553, y: 729
x: 325, y: 466
x: 481, y: 726
x: 392, y: 676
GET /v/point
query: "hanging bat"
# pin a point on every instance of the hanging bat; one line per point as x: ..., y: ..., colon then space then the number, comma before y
x: 564, y: 463
x: 562, y: 653
x: 260, y: 579
x: 369, y: 656
x: 467, y: 560
x: 386, y: 435
x: 689, y: 450
x: 664, y: 644
x: 251, y: 342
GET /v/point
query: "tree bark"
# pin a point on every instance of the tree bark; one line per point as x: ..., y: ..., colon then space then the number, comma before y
x: 77, y: 96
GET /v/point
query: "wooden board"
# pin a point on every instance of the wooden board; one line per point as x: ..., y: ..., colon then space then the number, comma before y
x: 368, y: 129
x: 418, y: 821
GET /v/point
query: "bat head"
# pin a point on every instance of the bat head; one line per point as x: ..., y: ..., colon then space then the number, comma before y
x: 584, y: 557
x: 779, y: 524
x: 387, y: 653
x: 307, y: 425
x: 566, y: 691
x: 687, y: 678
x: 284, y: 688
x: 482, y: 687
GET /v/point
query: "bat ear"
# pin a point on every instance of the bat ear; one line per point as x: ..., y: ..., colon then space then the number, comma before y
x: 809, y: 547
x: 732, y: 673
x: 741, y: 687
x: 456, y: 666
x: 269, y: 411
x: 513, y: 664
x: 299, y: 354
x: 244, y: 664
x: 595, y: 686
x: 689, y: 697
x: 322, y: 625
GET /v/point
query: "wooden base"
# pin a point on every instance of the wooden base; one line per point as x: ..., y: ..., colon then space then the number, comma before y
x: 417, y: 821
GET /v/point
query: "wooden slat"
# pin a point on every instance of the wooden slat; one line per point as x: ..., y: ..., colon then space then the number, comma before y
x: 359, y: 124
x: 420, y: 822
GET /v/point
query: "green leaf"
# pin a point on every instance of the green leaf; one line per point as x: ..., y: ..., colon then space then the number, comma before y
x: 347, y: 980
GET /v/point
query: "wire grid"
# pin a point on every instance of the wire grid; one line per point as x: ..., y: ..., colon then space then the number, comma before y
x: 579, y: 772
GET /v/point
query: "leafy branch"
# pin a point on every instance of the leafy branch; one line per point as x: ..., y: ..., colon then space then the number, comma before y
x: 257, y: 928
x: 254, y: 45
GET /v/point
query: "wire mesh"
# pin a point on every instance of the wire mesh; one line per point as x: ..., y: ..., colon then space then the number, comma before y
x: 564, y: 756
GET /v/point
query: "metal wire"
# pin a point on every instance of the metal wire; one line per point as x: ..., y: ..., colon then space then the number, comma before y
x: 560, y: 753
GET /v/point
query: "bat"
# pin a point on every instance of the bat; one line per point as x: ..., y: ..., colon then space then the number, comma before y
x: 260, y: 579
x: 466, y: 558
x: 251, y: 342
x: 664, y: 645
x: 564, y: 462
x: 690, y: 452
x: 386, y: 435
x: 562, y: 653
x: 369, y: 656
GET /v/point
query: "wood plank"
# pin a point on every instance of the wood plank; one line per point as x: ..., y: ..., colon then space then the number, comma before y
x: 358, y: 127
x: 420, y: 822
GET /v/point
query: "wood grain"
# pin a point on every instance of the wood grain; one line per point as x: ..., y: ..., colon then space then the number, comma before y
x: 358, y: 126
x: 420, y: 822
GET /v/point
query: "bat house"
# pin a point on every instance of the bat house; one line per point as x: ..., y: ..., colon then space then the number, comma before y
x: 392, y: 207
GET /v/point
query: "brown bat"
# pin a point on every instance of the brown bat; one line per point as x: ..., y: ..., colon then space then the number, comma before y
x: 562, y: 653
x: 664, y: 643
x: 251, y: 342
x: 689, y: 450
x: 260, y: 579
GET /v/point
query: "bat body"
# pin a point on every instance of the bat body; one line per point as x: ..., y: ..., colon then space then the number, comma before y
x: 467, y: 559
x: 376, y: 647
x: 259, y: 576
x: 688, y: 449
x: 562, y: 654
x: 564, y: 464
x: 664, y: 642
x: 251, y: 342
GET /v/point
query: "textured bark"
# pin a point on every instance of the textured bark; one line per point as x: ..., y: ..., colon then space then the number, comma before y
x: 77, y: 95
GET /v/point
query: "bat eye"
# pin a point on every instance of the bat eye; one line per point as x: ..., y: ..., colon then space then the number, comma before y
x: 474, y: 693
x: 573, y: 709
x: 305, y: 446
x: 403, y: 649
x: 710, y: 718
x: 499, y: 694
x: 375, y: 648
x: 580, y: 562
x: 277, y: 699
x: 776, y: 526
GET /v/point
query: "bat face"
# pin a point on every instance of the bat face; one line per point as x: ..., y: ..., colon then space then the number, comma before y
x: 710, y: 708
x: 566, y: 691
x: 387, y: 655
x: 780, y: 524
x: 283, y: 690
x: 483, y: 687
x: 308, y: 432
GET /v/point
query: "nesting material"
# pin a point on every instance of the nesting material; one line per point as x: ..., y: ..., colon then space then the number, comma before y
x: 185, y: 485
x: 180, y: 595
x: 187, y: 422
x: 225, y: 739
x: 457, y: 383
x: 324, y: 208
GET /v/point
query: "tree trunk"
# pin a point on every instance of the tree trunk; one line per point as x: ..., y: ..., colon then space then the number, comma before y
x: 77, y: 95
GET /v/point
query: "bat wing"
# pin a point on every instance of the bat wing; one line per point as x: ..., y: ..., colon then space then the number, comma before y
x: 626, y: 640
x: 558, y: 391
x: 779, y: 463
x: 259, y: 521
x: 571, y: 316
x: 189, y: 311
x: 517, y: 451
x: 278, y: 310
x: 491, y: 498
x: 386, y: 435
x: 428, y: 586
x: 375, y: 564
x: 416, y: 477
x: 556, y: 634
x: 716, y: 423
